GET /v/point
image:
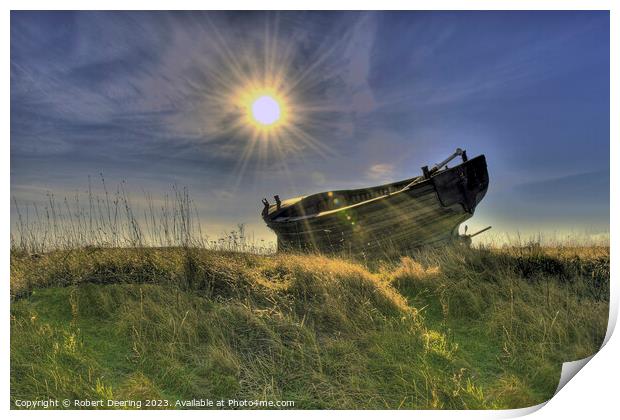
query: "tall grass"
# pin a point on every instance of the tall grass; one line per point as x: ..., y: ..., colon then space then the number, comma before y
x: 111, y: 219
x: 114, y: 297
x: 450, y: 328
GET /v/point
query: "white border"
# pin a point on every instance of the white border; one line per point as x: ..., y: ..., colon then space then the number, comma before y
x: 592, y: 394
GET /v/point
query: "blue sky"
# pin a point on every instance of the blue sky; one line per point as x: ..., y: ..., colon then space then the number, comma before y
x: 141, y: 97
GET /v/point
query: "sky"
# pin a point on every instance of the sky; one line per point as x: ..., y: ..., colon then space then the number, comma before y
x: 156, y: 99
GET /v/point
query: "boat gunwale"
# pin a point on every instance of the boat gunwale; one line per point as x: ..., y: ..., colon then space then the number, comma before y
x: 408, y: 187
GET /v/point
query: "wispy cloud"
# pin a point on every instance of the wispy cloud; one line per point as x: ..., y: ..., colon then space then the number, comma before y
x: 380, y: 171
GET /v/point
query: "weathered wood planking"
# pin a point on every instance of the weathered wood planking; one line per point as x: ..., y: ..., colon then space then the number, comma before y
x: 399, y: 216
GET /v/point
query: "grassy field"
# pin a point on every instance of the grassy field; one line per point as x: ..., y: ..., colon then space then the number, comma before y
x: 451, y: 328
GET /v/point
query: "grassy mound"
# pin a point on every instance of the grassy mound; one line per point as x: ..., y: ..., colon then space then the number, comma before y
x: 454, y: 328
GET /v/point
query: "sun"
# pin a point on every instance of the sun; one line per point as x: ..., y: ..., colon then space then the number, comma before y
x: 266, y: 110
x: 252, y: 103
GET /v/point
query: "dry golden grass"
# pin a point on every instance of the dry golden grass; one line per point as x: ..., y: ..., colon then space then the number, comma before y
x: 450, y: 328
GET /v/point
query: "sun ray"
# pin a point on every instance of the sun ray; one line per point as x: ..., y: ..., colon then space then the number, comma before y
x: 259, y: 100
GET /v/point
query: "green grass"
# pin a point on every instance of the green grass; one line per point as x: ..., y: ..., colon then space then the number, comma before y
x: 453, y: 328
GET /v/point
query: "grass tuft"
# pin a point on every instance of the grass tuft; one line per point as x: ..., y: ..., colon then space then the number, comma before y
x: 453, y: 328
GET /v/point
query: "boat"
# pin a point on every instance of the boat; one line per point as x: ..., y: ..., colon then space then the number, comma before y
x: 426, y: 210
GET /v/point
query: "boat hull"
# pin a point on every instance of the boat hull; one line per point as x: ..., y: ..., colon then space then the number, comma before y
x: 427, y: 213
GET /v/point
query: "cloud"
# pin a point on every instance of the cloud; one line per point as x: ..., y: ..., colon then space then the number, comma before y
x: 358, y: 54
x: 592, y: 188
x: 380, y: 171
x: 162, y: 80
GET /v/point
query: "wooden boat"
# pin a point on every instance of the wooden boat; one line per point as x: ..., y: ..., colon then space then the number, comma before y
x: 391, y: 218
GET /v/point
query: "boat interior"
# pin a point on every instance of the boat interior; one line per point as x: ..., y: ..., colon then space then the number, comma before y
x: 333, y: 200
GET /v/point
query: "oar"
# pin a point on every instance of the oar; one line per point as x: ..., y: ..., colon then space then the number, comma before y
x: 479, y: 232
